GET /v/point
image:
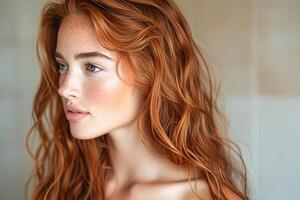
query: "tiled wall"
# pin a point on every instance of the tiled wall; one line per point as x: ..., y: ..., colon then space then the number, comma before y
x: 279, y: 37
x: 18, y: 80
x: 253, y: 46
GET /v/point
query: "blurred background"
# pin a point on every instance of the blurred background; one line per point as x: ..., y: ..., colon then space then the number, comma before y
x: 253, y: 45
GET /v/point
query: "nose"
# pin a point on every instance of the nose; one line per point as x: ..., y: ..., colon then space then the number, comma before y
x: 69, y: 86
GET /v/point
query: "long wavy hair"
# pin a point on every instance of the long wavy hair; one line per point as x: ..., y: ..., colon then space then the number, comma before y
x: 180, y: 112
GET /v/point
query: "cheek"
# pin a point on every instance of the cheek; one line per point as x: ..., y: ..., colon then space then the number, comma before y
x: 111, y: 95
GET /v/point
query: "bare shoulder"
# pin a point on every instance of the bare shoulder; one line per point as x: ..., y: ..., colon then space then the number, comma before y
x: 230, y: 194
x: 175, y: 190
x: 198, y: 187
x: 202, y: 189
x: 194, y: 190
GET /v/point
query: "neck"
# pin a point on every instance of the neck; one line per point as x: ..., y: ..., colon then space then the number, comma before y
x: 134, y: 163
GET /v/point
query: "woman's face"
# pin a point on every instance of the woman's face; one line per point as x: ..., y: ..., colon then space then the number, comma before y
x: 90, y: 82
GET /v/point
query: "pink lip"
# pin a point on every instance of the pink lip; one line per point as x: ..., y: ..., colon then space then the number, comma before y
x: 74, y: 117
x: 73, y: 108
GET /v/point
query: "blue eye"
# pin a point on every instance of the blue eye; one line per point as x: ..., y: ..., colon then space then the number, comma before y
x: 60, y: 67
x: 93, y: 68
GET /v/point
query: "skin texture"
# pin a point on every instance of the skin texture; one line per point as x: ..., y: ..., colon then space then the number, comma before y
x: 112, y: 105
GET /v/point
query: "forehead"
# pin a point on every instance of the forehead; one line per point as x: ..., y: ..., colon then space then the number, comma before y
x: 77, y: 34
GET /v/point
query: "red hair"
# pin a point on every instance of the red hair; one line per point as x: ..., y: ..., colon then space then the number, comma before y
x: 179, y: 114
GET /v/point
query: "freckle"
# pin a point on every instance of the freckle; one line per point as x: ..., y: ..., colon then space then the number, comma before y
x: 95, y: 92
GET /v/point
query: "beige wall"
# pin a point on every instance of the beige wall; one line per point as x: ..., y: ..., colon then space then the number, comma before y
x: 243, y: 36
x: 223, y: 30
x: 18, y: 80
x: 254, y: 46
x: 279, y: 38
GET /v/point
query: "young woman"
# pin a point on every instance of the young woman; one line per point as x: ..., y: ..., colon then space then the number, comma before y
x: 126, y: 107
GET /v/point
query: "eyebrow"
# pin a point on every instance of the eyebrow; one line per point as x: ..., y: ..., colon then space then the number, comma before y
x: 84, y: 55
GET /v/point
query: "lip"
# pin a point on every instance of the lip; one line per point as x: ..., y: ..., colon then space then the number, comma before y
x: 74, y: 117
x: 75, y: 114
x: 75, y: 109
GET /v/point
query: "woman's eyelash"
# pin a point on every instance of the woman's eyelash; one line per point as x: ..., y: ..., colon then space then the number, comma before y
x: 58, y: 66
x: 93, y: 67
x: 89, y: 67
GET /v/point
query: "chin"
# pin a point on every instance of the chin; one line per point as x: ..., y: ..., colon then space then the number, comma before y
x: 79, y: 137
x: 84, y: 136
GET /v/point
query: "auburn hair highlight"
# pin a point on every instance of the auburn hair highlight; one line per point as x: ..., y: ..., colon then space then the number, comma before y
x: 180, y: 113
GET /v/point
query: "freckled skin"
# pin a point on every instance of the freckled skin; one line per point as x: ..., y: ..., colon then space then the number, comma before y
x: 112, y: 103
x: 113, y: 106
